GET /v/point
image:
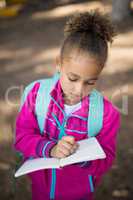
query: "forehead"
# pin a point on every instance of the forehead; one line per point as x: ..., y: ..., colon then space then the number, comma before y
x: 83, y: 64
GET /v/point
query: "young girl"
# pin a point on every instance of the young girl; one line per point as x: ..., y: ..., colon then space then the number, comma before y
x: 82, y: 58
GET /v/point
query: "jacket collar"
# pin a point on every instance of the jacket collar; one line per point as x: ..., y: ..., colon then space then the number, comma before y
x: 57, y: 93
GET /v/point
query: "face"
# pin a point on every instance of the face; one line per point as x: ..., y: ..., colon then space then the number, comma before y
x: 78, y: 76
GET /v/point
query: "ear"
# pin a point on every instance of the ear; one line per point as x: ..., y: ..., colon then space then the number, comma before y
x: 58, y: 63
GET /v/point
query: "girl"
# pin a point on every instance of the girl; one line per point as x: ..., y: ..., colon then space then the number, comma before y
x: 82, y: 58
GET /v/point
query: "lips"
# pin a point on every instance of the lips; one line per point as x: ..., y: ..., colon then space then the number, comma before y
x: 76, y: 97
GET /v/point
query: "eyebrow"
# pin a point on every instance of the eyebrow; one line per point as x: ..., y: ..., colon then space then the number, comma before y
x: 77, y: 76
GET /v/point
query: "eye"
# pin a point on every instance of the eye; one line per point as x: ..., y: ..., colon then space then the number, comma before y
x: 72, y: 79
x: 90, y: 83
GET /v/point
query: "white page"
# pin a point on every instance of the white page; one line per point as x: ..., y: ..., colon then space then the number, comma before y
x: 89, y: 149
x: 37, y: 164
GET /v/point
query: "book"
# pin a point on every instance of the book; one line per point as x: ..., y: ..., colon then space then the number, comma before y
x: 89, y: 149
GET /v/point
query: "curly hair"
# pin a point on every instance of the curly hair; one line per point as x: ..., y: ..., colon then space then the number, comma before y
x: 88, y: 32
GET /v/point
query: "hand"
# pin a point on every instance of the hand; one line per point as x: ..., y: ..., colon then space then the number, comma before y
x: 66, y: 146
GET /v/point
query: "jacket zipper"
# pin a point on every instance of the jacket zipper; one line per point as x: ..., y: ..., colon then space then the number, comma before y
x: 91, y: 183
x: 53, y: 184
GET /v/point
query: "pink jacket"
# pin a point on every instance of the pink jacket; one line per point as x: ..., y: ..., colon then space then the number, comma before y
x: 73, y: 182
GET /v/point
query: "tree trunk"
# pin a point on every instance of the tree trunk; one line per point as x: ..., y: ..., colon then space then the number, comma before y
x: 120, y: 9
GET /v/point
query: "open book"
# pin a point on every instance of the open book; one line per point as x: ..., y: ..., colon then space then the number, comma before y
x: 89, y: 149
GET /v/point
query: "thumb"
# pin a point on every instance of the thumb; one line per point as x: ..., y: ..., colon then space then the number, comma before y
x: 69, y: 139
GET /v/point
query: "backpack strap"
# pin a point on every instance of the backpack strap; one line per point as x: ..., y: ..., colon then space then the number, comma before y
x: 95, y: 115
x: 25, y: 93
x: 43, y: 99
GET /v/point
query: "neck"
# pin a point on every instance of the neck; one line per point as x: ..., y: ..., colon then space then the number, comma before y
x: 69, y: 101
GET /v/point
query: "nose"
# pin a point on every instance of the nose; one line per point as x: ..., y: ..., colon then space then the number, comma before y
x: 79, y: 89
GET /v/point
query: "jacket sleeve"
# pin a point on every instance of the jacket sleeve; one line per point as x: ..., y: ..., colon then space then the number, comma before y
x: 107, y: 139
x: 28, y: 139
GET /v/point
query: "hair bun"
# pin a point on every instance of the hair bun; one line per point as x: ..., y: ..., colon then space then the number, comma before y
x: 92, y: 22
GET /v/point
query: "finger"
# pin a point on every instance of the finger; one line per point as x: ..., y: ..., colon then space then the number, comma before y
x: 61, y: 154
x: 76, y: 145
x: 74, y: 149
x: 64, y: 150
x: 67, y: 145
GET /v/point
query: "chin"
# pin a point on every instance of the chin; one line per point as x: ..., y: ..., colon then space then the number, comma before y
x: 77, y: 101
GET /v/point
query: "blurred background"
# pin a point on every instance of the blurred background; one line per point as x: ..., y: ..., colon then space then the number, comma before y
x: 31, y: 33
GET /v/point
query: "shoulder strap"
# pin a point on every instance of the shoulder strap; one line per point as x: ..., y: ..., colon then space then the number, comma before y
x: 43, y: 99
x: 95, y: 115
x: 27, y: 89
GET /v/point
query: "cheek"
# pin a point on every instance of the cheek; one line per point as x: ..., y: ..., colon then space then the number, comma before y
x: 67, y: 86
